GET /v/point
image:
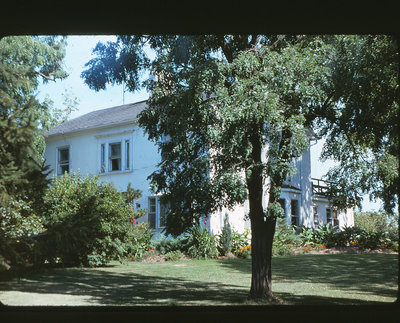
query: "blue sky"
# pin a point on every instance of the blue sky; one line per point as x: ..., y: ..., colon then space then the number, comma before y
x: 79, y: 52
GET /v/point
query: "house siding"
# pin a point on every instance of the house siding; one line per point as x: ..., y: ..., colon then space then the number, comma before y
x: 85, y: 158
x: 85, y: 146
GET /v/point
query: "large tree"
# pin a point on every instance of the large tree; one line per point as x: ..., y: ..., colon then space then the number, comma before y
x: 24, y: 61
x: 229, y: 113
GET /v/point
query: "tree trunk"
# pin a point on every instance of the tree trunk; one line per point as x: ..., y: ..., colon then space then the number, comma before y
x: 262, y: 235
x: 262, y: 229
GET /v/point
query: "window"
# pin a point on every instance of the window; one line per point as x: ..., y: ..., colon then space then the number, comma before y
x: 335, y: 217
x: 114, y: 152
x: 157, y: 213
x: 164, y: 140
x: 152, y: 212
x: 282, y: 203
x: 127, y: 162
x: 315, y: 215
x: 62, y: 160
x: 163, y: 215
x: 295, y: 212
x: 115, y: 157
x: 328, y: 216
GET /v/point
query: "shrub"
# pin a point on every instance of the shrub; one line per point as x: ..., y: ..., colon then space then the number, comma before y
x: 17, y: 219
x: 174, y: 255
x: 87, y: 223
x: 18, y: 226
x: 285, y: 239
x: 282, y: 249
x: 380, y: 227
x: 239, y: 240
x: 225, y: 240
x: 243, y: 252
x: 164, y: 245
x: 315, y: 236
x: 140, y: 243
x: 330, y: 236
x: 200, y: 243
x: 285, y: 234
x: 375, y: 221
x: 161, y: 244
x: 327, y: 235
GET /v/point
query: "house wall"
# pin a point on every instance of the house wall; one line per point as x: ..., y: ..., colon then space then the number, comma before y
x: 238, y: 219
x: 345, y: 217
x: 85, y: 157
x: 238, y: 215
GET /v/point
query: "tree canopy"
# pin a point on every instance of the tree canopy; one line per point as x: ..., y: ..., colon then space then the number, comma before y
x: 238, y: 107
x: 24, y: 60
x: 362, y: 128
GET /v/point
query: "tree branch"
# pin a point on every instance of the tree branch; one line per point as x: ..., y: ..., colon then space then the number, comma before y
x: 47, y: 77
x: 277, y: 42
x: 254, y: 39
x: 225, y: 49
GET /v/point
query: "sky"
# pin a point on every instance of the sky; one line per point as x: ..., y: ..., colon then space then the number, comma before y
x: 79, y: 52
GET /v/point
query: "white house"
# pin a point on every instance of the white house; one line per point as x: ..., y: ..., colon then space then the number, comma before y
x: 110, y: 143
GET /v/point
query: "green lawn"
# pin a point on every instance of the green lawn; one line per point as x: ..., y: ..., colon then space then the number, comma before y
x: 356, y: 279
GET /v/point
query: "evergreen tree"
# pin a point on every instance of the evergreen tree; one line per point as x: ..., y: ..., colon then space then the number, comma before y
x: 226, y: 236
x: 131, y: 195
x: 24, y: 61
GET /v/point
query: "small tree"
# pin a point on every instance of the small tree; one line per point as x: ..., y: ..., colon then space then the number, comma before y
x: 132, y: 194
x: 377, y: 222
x: 226, y: 236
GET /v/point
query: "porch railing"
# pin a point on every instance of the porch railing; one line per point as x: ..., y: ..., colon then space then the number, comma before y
x: 319, y: 186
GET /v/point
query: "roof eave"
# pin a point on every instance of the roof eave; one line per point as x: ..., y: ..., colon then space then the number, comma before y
x: 89, y: 129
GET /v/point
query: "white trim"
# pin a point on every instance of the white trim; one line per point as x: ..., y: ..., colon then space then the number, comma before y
x: 115, y: 173
x: 119, y: 133
x: 78, y: 132
x: 113, y: 138
x: 291, y: 190
x: 320, y: 199
x: 315, y: 207
x: 157, y: 219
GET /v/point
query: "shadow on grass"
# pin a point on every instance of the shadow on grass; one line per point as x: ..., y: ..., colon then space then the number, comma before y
x: 112, y: 288
x: 367, y: 273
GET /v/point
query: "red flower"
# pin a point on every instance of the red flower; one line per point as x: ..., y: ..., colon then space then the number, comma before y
x: 133, y: 221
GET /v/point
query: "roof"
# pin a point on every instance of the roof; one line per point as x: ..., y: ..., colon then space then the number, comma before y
x: 110, y: 116
x: 100, y: 118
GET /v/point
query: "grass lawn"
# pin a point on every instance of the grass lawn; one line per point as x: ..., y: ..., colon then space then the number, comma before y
x: 340, y: 279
